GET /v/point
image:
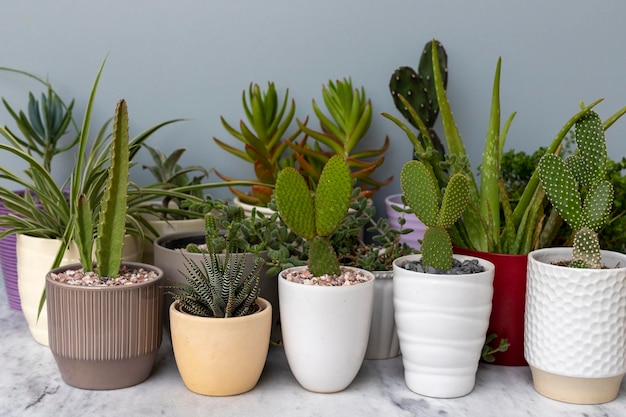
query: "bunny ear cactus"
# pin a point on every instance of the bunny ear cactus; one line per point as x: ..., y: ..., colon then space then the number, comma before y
x: 578, y: 189
x: 316, y: 218
x: 438, y: 212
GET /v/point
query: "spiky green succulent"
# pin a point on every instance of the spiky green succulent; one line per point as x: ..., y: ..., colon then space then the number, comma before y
x: 437, y: 211
x: 315, y: 218
x: 264, y: 140
x: 578, y: 189
x: 219, y: 286
x: 418, y: 89
x: 348, y: 121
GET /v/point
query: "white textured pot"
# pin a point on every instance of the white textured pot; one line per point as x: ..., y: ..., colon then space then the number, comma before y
x: 575, y: 327
x: 383, y: 341
x: 34, y: 260
x: 442, y: 322
x: 325, y: 331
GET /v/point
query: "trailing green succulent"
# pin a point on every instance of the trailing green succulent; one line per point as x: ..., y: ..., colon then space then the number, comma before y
x: 438, y: 212
x: 579, y: 190
x: 169, y: 174
x: 481, y: 227
x: 45, y: 124
x: 220, y: 287
x: 265, y: 140
x: 374, y: 250
x: 315, y: 218
x: 418, y: 88
x: 229, y: 230
x: 350, y: 118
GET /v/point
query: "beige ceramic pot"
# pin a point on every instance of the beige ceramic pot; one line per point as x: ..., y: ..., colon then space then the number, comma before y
x: 221, y: 356
x: 105, y: 337
x: 35, y: 257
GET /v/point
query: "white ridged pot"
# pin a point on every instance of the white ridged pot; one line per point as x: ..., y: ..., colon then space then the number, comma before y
x: 325, y: 331
x: 575, y: 327
x: 442, y: 322
x: 383, y: 341
x: 35, y: 257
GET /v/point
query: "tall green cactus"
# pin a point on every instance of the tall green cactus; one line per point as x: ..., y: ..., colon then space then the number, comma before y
x: 418, y: 89
x: 316, y: 218
x: 438, y: 212
x: 578, y: 189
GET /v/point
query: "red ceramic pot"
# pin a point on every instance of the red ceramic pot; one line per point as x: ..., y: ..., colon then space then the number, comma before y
x: 509, y: 299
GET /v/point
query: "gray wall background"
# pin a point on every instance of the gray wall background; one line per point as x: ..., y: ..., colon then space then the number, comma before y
x: 193, y: 59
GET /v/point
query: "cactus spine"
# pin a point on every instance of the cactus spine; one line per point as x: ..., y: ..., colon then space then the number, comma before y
x: 578, y: 189
x: 316, y: 218
x: 437, y: 211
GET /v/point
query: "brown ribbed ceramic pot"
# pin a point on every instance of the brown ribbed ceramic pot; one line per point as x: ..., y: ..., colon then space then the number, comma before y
x: 105, y: 337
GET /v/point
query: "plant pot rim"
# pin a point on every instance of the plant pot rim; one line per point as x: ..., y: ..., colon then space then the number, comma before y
x: 63, y: 268
x: 539, y: 255
x: 328, y: 287
x: 489, y: 266
x: 260, y: 301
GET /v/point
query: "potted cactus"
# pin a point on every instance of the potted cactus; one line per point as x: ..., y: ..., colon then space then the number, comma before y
x: 220, y: 326
x: 120, y: 351
x: 442, y: 302
x: 489, y: 228
x: 326, y: 308
x: 576, y: 303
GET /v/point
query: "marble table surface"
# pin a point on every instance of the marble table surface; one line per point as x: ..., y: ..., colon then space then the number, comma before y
x: 30, y: 385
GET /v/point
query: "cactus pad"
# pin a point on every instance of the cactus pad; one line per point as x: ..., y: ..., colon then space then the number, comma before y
x: 332, y: 196
x: 561, y: 188
x: 437, y: 248
x: 454, y: 202
x: 420, y: 191
x: 322, y: 258
x: 586, y: 253
x: 295, y: 203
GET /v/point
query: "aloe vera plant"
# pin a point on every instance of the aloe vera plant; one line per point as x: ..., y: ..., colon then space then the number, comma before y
x: 315, y: 218
x: 349, y: 119
x: 481, y: 227
x: 579, y: 190
x: 439, y: 212
x: 265, y: 140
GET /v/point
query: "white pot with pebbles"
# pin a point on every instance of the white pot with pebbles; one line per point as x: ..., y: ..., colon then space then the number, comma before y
x: 325, y: 325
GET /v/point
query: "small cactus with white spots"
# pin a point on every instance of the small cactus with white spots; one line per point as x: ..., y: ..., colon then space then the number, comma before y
x: 438, y: 211
x: 579, y: 190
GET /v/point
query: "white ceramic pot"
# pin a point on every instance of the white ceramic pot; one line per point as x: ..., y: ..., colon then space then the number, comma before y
x: 325, y: 331
x: 442, y: 322
x: 575, y: 327
x: 383, y: 341
x: 34, y: 260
